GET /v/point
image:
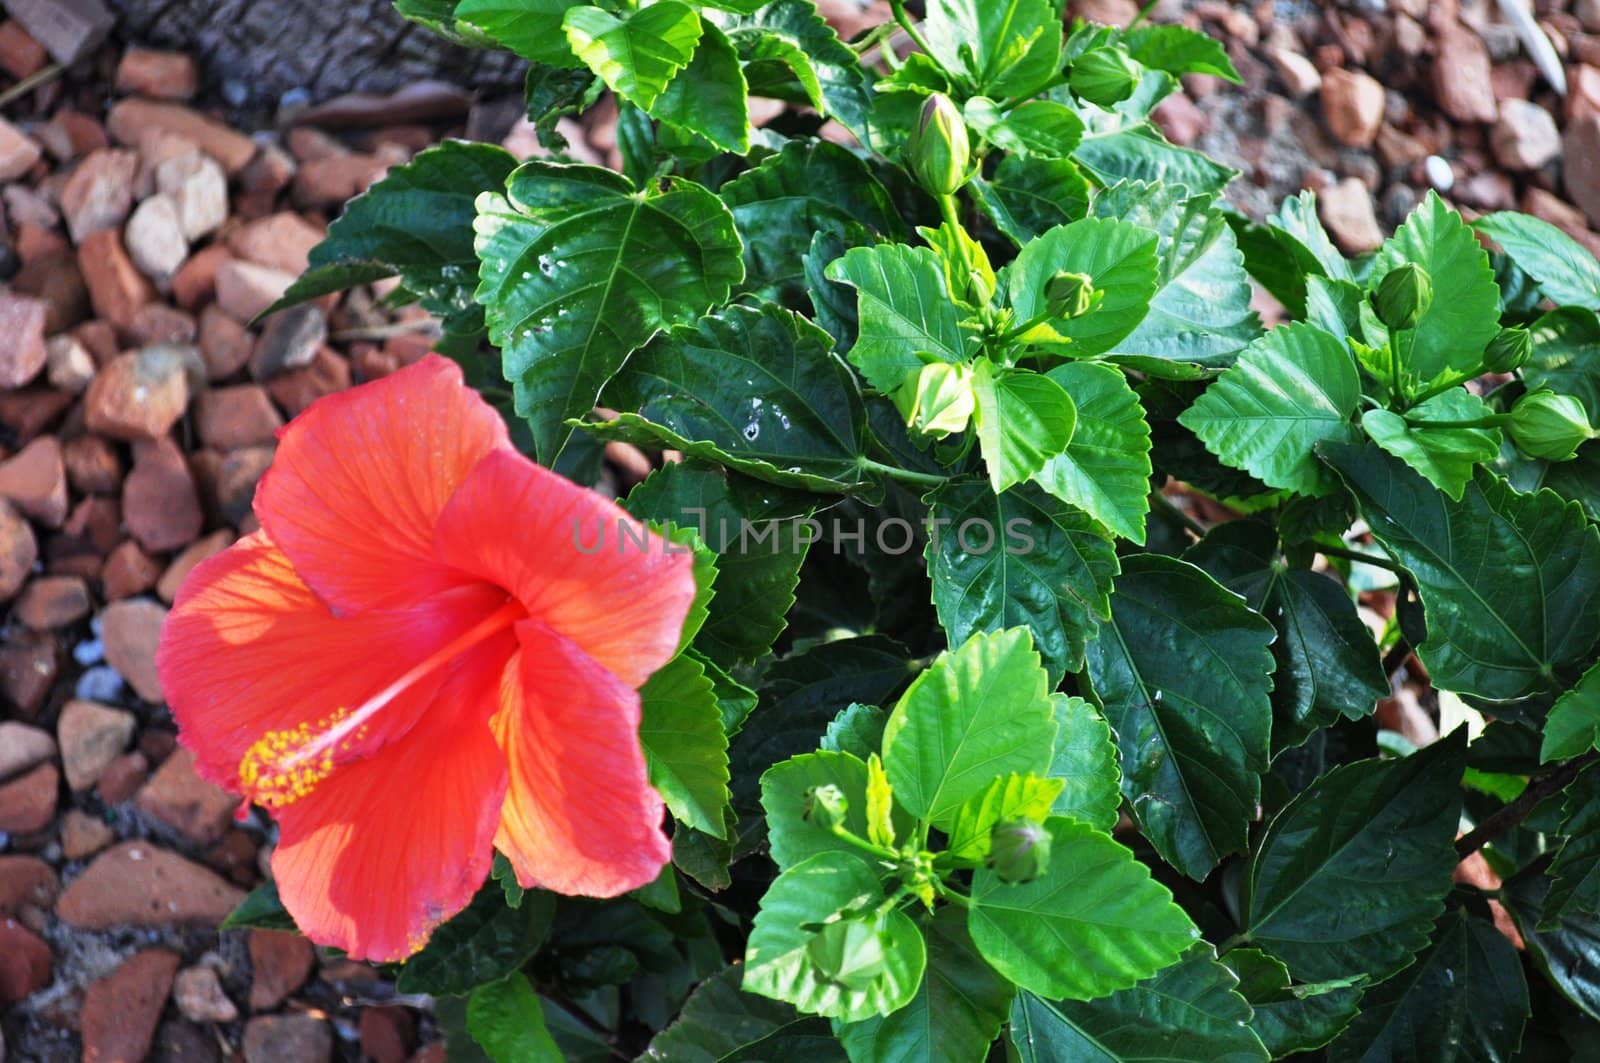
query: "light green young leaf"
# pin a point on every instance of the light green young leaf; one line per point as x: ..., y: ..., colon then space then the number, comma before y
x: 1040, y: 129
x: 578, y: 269
x: 638, y: 55
x: 1183, y: 673
x: 880, y: 805
x: 1028, y: 196
x: 1180, y: 50
x: 1023, y: 419
x: 1135, y: 150
x: 1350, y: 875
x: 858, y: 729
x: 709, y: 97
x: 1006, y: 797
x: 1120, y: 259
x: 1573, y: 726
x: 1003, y: 47
x: 1510, y: 583
x: 784, y: 787
x: 1105, y: 470
x: 906, y: 310
x: 684, y: 745
x: 507, y: 1021
x: 1086, y: 762
x: 1446, y: 456
x: 531, y: 28
x: 979, y: 711
x: 886, y: 948
x: 1093, y: 923
x: 1566, y: 271
x: 1293, y: 388
x: 788, y: 41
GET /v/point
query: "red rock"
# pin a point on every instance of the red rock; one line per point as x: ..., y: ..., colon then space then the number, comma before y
x: 330, y: 181
x: 121, y: 1011
x: 83, y: 835
x: 160, y: 505
x: 35, y: 481
x: 68, y: 365
x: 131, y: 630
x: 116, y: 287
x: 198, y: 187
x: 22, y: 323
x: 161, y: 75
x: 1462, y: 77
x: 28, y: 803
x: 99, y: 192
x: 55, y: 278
x: 51, y: 602
x: 92, y: 464
x: 34, y: 240
x: 139, y: 396
x: 245, y: 289
x: 158, y: 744
x: 122, y: 779
x: 91, y: 736
x: 195, y: 283
x: 290, y: 340
x: 23, y: 747
x: 1179, y: 118
x: 235, y: 856
x: 101, y: 340
x: 155, y: 239
x: 309, y: 144
x: 387, y: 1033
x: 270, y: 172
x: 26, y: 965
x: 233, y: 417
x: 20, y: 55
x: 237, y: 477
x: 138, y: 884
x: 1525, y: 137
x: 26, y: 882
x: 1352, y: 105
x: 71, y: 134
x: 157, y: 323
x: 195, y: 808
x: 18, y: 152
x: 94, y: 527
x: 280, y: 963
x: 1346, y: 210
x: 19, y: 550
x: 225, y: 345
x: 30, y: 411
x: 293, y: 1038
x: 128, y: 571
x: 131, y: 119
x: 431, y: 1053
x: 295, y: 390
x: 199, y: 996
x: 281, y: 241
x: 1581, y: 166
x: 28, y: 668
x: 172, y: 579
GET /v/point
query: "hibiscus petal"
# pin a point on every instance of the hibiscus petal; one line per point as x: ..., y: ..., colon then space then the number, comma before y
x: 580, y: 816
x: 360, y: 478
x: 249, y: 650
x: 386, y: 849
x: 520, y: 526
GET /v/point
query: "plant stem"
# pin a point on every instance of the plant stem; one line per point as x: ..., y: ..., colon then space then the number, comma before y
x: 1167, y: 506
x: 1514, y: 813
x: 1357, y: 555
x: 1494, y: 420
x: 877, y: 852
x: 900, y: 16
x: 1232, y: 943
x: 33, y: 81
x: 924, y: 479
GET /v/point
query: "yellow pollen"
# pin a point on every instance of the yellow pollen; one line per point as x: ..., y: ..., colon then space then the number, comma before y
x: 284, y: 766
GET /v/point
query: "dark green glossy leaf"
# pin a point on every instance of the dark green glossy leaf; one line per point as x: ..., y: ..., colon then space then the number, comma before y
x: 1137, y: 151
x: 638, y: 54
x: 858, y: 729
x: 1446, y: 456
x: 1564, y: 269
x: 507, y: 1021
x: 709, y: 97
x: 1573, y: 726
x: 1290, y: 1018
x: 791, y: 37
x: 1575, y: 873
x: 720, y: 1023
x: 485, y: 942
x: 1566, y: 356
x: 261, y: 909
x: 1569, y: 954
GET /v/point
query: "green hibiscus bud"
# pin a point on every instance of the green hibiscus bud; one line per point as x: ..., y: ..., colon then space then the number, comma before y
x: 1508, y: 350
x: 938, y: 401
x: 1104, y: 77
x: 1069, y: 295
x: 939, y: 149
x: 849, y: 953
x: 1019, y: 850
x: 1550, y: 426
x: 826, y: 806
x: 1403, y: 296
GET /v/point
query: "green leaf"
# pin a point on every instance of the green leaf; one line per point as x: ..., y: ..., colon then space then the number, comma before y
x: 1086, y: 762
x: 638, y: 55
x: 1290, y: 1018
x: 503, y: 873
x: 1023, y: 419
x: 1510, y: 584
x: 531, y: 28
x: 1327, y: 664
x: 979, y: 711
x: 1446, y: 456
x: 1293, y: 388
x: 1350, y: 875
x: 1180, y: 50
x: 1189, y: 1013
x: 1093, y: 923
x: 1027, y: 196
x: 1464, y: 999
x: 787, y: 42
x: 684, y: 745
x: 858, y: 729
x: 1466, y: 313
x: 1573, y: 726
x: 578, y: 270
x: 507, y: 1021
x: 1039, y: 128
x: 1021, y: 558
x: 1183, y: 672
x: 1200, y: 312
x: 758, y: 390
x: 1566, y: 271
x: 1006, y: 797
x: 485, y: 942
x: 1120, y: 259
x: 261, y: 909
x: 709, y: 96
x: 1136, y: 151
x: 719, y: 1023
x: 1002, y: 47
x: 1566, y: 357
x: 752, y: 530
x: 906, y: 310
x: 784, y: 787
x: 1569, y: 954
x: 806, y: 189
x: 956, y: 1013
x: 1576, y: 869
x: 1105, y: 470
x: 780, y: 960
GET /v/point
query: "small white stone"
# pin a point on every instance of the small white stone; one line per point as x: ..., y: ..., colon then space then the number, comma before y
x: 1440, y: 175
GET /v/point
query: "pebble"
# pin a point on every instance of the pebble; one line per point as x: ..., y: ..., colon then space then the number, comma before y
x: 20, y: 55
x: 117, y: 289
x: 290, y: 340
x: 237, y: 477
x: 1346, y: 209
x: 1352, y: 105
x: 199, y: 996
x: 83, y: 835
x: 172, y: 579
x: 281, y: 241
x: 26, y: 882
x: 28, y: 803
x: 1462, y: 77
x: 22, y: 321
x: 54, y: 277
x: 295, y: 390
x: 280, y: 963
x: 127, y: 773
x: 137, y: 884
x: 245, y: 289
x: 387, y: 1033
x: 35, y: 481
x: 160, y: 75
x: 155, y: 239
x: 233, y: 417
x: 68, y: 365
x: 198, y: 187
x: 140, y: 395
x: 1525, y: 137
x: 19, y: 550
x: 128, y: 571
x: 132, y: 630
x: 23, y: 747
x: 1581, y: 165
x: 131, y: 120
x: 26, y: 965
x: 28, y: 664
x: 160, y: 505
x: 287, y: 1039
x: 99, y: 192
x: 51, y: 602
x: 19, y: 152
x: 1299, y: 75
x: 121, y: 1011
x: 177, y: 796
x: 91, y: 736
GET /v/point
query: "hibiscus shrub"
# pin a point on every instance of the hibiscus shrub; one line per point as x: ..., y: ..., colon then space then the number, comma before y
x: 977, y: 744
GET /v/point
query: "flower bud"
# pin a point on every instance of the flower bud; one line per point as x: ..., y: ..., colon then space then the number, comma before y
x: 1019, y: 850
x: 826, y: 806
x: 1069, y: 295
x: 1508, y: 350
x: 1104, y: 77
x: 939, y: 149
x: 939, y: 400
x: 849, y: 953
x: 1550, y: 426
x: 1403, y: 296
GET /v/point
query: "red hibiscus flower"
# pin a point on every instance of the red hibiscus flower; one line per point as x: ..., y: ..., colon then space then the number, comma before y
x: 413, y: 661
